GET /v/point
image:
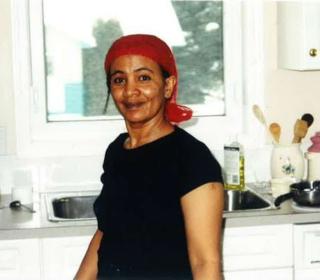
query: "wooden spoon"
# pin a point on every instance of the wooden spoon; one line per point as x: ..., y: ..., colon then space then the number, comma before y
x: 275, y: 131
x: 259, y: 115
x: 308, y: 118
x: 300, y: 130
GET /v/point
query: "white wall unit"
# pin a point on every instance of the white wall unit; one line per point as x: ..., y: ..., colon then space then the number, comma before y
x: 62, y: 256
x: 299, y: 35
x: 307, y: 251
x: 258, y: 247
x: 272, y: 274
x: 20, y: 259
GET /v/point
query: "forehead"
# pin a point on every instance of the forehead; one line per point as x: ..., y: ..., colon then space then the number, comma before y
x: 132, y: 62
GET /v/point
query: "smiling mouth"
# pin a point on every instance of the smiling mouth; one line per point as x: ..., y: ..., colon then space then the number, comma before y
x: 133, y: 105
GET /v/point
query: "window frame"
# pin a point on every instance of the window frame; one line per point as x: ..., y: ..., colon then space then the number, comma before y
x: 243, y: 26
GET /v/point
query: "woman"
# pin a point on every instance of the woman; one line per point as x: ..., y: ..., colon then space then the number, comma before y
x: 160, y: 209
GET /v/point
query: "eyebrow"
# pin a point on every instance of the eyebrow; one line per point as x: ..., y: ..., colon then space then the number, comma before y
x: 136, y: 70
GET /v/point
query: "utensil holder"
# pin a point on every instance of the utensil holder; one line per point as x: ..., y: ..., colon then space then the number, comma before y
x: 287, y: 161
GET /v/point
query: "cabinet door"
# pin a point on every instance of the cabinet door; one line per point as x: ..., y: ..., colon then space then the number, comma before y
x: 62, y: 256
x: 257, y: 247
x: 306, y: 274
x: 19, y: 259
x: 299, y: 35
x: 307, y: 251
x: 311, y: 38
x: 275, y: 274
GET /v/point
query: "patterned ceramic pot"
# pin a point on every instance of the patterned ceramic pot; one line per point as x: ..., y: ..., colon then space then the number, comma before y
x: 287, y: 161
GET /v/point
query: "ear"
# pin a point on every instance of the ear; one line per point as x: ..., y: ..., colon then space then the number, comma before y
x: 169, y: 86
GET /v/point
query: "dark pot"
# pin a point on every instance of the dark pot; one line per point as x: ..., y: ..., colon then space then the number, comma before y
x: 304, y: 193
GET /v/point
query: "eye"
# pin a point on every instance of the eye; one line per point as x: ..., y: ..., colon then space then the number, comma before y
x: 118, y: 80
x: 144, y: 78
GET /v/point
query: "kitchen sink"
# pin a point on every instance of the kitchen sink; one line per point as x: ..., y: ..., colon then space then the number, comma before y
x: 70, y: 206
x: 246, y: 200
x: 73, y: 206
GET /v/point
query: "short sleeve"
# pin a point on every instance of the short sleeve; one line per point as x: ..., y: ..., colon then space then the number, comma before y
x: 198, y: 167
x: 99, y: 205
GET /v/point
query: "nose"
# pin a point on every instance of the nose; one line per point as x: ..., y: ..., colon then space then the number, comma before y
x: 131, y: 88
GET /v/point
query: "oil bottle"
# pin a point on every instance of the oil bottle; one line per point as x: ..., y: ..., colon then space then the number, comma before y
x: 234, y: 167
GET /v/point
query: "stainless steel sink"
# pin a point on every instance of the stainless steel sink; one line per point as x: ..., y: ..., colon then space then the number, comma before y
x: 245, y: 201
x: 75, y: 206
x: 70, y: 206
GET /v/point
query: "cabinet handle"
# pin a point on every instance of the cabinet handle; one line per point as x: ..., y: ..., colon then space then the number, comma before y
x: 314, y: 261
x: 313, y: 52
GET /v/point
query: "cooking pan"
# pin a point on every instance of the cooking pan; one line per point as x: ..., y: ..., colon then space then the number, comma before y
x: 304, y: 193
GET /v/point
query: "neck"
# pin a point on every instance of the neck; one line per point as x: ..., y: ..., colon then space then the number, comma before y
x: 140, y: 134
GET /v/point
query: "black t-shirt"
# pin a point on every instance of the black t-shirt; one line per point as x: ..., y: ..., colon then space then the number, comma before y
x: 139, y: 208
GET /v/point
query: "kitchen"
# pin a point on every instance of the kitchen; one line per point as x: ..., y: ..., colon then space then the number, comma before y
x: 257, y: 244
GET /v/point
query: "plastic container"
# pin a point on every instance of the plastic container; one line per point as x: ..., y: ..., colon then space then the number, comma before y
x: 313, y: 164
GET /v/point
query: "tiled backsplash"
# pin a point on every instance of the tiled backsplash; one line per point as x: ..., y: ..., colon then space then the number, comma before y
x: 47, y: 174
x: 83, y: 173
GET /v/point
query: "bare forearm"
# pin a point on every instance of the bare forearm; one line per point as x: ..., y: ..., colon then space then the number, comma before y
x: 207, y: 271
x: 88, y: 267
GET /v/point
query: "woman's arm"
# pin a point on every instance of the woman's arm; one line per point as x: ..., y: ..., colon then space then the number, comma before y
x: 202, y: 209
x: 88, y: 268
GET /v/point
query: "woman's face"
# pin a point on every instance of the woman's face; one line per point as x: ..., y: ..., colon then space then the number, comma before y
x: 139, y: 89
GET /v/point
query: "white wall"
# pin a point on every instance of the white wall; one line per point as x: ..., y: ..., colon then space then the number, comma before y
x: 7, y: 120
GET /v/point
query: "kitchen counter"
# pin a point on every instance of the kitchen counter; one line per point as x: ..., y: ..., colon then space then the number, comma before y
x: 20, y: 224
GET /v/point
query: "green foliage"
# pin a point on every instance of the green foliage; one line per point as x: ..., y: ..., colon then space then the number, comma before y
x: 200, y: 62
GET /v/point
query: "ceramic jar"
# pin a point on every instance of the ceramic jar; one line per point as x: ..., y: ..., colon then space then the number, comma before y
x: 287, y: 161
x: 313, y: 166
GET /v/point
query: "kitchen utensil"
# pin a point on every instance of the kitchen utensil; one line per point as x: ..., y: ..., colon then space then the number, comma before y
x: 275, y: 131
x: 259, y: 115
x: 16, y: 204
x: 308, y: 118
x: 300, y: 130
x: 304, y: 193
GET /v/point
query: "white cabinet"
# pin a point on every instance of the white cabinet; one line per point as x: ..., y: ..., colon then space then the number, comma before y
x: 264, y: 251
x: 19, y: 259
x: 62, y: 256
x: 299, y: 35
x: 260, y: 274
x: 307, y: 252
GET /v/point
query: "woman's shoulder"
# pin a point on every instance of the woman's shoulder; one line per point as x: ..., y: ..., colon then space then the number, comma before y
x: 116, y: 144
x: 187, y: 140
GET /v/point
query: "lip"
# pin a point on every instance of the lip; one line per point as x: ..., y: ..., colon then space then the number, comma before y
x: 133, y: 105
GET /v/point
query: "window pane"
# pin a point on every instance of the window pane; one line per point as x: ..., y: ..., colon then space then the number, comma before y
x: 78, y: 34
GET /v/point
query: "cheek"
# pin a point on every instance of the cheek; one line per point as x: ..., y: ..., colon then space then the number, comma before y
x: 116, y: 94
x: 154, y: 92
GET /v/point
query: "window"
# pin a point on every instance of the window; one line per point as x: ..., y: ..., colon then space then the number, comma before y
x: 76, y: 41
x: 59, y: 48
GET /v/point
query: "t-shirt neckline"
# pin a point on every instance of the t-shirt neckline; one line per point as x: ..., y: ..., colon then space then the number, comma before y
x: 152, y: 143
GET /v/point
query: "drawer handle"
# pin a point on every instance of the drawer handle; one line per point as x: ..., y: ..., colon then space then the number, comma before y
x: 315, y: 261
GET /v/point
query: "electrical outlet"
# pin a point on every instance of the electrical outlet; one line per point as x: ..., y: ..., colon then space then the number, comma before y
x: 2, y: 141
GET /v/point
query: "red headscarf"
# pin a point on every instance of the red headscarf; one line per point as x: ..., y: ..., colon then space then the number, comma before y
x: 154, y: 48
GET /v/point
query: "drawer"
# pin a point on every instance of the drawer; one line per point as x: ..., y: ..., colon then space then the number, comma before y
x: 257, y: 247
x: 306, y: 274
x: 20, y: 259
x: 307, y: 246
